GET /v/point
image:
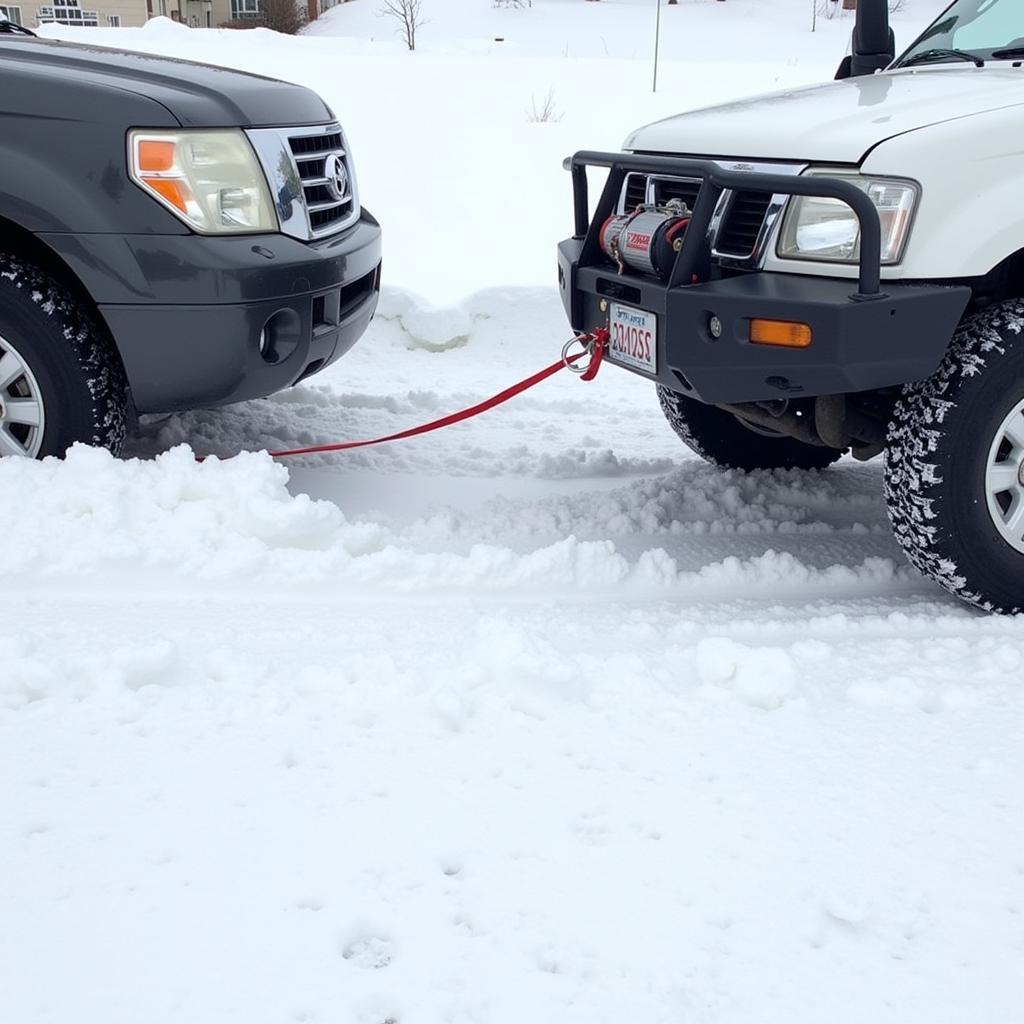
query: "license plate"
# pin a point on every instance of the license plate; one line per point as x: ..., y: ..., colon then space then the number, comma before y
x: 634, y: 338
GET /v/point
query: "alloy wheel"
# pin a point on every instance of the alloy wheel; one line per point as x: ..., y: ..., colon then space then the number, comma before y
x: 1004, y: 479
x: 22, y: 417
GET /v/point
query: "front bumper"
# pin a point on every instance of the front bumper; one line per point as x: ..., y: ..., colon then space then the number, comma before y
x: 187, y: 312
x: 858, y: 346
x: 864, y: 337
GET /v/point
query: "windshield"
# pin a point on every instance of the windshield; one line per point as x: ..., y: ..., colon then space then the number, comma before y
x: 979, y: 27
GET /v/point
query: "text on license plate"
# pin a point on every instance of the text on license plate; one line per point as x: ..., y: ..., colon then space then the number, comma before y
x: 634, y: 337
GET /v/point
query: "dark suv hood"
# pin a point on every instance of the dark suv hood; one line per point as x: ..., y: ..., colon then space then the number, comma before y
x: 197, y: 95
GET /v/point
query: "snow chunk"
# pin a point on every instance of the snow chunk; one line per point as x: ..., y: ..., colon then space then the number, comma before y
x: 763, y: 677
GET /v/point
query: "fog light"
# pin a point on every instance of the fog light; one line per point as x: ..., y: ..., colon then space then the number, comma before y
x: 280, y: 336
x: 784, y: 333
x: 715, y: 327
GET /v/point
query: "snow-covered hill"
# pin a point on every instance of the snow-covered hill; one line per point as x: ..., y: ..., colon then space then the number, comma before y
x: 536, y: 719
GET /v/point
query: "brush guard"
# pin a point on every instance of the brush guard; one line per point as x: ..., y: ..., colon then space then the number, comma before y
x: 864, y: 337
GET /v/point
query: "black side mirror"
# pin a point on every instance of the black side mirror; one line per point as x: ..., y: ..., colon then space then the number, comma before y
x: 862, y: 63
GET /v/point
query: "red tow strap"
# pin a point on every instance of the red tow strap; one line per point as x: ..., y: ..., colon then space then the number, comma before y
x: 594, y: 345
x: 596, y: 348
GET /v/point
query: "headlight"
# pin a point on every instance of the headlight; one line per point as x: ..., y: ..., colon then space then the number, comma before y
x: 210, y: 179
x: 827, y: 230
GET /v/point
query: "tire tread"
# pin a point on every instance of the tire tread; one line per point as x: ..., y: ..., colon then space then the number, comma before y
x: 924, y: 422
x: 720, y: 439
x: 88, y: 344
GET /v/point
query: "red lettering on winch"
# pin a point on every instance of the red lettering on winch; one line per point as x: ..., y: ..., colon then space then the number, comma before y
x: 637, y: 240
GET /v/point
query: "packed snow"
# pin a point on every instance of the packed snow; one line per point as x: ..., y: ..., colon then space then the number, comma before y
x: 538, y: 718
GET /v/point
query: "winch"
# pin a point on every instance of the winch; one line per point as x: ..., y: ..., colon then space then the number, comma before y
x: 648, y: 238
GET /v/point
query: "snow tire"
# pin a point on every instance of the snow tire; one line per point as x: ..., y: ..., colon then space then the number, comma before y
x: 720, y: 438
x: 70, y: 358
x: 938, y: 451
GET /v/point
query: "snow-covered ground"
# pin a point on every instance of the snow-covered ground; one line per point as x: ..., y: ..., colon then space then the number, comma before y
x: 536, y: 719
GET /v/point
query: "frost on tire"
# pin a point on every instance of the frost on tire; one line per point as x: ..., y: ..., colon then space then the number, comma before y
x: 82, y: 380
x: 937, y: 445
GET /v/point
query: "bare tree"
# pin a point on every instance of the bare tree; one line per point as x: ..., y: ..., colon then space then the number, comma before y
x: 408, y: 14
x: 545, y: 110
x: 827, y: 9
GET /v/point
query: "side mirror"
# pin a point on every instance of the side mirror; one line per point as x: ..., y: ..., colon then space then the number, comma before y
x: 861, y: 63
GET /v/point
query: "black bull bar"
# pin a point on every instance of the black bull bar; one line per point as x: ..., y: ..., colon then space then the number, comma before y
x: 864, y: 339
x: 714, y: 181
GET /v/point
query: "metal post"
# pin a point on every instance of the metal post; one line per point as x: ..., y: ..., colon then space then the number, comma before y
x: 657, y: 42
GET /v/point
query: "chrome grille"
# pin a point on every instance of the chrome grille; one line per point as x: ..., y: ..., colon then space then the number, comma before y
x: 635, y: 192
x: 304, y: 168
x: 312, y: 152
x: 741, y: 224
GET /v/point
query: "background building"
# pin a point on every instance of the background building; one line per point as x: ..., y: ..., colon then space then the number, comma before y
x: 91, y: 13
x: 129, y: 13
x: 197, y: 13
x: 211, y: 13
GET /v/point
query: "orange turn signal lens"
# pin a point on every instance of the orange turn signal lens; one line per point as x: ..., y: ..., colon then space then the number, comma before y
x: 174, y: 191
x: 156, y: 156
x: 784, y: 333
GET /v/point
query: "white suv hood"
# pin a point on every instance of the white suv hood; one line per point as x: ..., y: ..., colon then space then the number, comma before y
x: 838, y: 122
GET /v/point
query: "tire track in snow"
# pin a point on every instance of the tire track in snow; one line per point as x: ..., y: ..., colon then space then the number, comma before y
x: 234, y: 524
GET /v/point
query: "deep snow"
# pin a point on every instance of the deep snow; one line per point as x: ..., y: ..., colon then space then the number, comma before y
x: 538, y: 719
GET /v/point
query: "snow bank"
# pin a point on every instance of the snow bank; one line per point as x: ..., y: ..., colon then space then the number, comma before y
x: 235, y: 521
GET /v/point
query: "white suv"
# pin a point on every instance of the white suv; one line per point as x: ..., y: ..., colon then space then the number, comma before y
x: 840, y: 268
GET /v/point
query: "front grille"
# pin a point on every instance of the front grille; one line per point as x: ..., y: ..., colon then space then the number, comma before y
x: 740, y: 217
x: 635, y: 192
x: 317, y: 154
x: 667, y: 189
x: 639, y: 189
x: 742, y: 222
x: 315, y: 145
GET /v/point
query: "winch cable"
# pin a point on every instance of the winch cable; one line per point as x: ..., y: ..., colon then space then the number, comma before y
x: 594, y: 345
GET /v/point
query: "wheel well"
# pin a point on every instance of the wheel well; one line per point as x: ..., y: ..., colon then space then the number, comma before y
x: 1003, y: 281
x: 19, y: 242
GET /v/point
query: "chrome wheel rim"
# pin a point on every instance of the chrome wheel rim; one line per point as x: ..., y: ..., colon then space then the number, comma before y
x: 1004, y: 479
x: 22, y: 417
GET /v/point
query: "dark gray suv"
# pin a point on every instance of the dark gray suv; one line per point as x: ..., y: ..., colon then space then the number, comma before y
x: 172, y: 236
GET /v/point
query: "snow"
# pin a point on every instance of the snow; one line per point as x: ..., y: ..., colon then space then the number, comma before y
x: 535, y: 719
